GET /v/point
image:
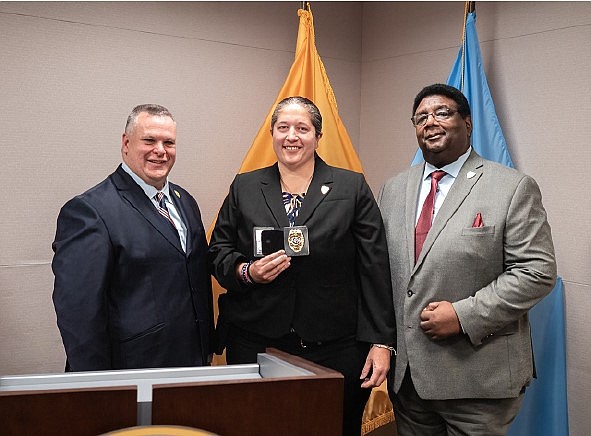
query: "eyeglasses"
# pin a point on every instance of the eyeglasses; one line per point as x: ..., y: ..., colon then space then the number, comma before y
x: 441, y: 114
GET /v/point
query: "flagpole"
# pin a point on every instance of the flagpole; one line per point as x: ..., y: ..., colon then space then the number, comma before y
x: 466, y: 8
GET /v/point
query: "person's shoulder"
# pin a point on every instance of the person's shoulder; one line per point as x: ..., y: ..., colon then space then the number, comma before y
x: 259, y: 172
x: 502, y: 178
x: 503, y: 172
x: 178, y: 191
x: 345, y: 173
x: 256, y: 176
x: 94, y: 199
x: 97, y: 192
x: 492, y: 165
x: 338, y: 173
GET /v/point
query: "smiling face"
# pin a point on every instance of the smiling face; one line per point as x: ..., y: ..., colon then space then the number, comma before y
x: 149, y: 148
x: 442, y: 142
x: 294, y: 137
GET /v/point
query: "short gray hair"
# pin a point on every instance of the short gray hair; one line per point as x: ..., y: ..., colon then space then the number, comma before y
x: 151, y: 109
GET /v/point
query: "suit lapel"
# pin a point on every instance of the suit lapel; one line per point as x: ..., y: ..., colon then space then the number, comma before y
x: 135, y: 196
x: 181, y: 206
x: 319, y: 189
x: 457, y: 194
x: 271, y: 190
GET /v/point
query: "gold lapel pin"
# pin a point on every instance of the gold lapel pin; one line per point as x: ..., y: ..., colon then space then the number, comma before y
x: 177, y: 193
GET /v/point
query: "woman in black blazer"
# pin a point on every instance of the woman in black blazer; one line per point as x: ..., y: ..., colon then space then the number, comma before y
x: 324, y: 293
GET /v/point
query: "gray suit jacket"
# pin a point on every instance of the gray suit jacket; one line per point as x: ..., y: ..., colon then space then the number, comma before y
x: 493, y: 275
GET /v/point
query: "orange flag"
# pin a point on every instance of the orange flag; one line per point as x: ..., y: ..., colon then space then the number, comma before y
x: 307, y: 78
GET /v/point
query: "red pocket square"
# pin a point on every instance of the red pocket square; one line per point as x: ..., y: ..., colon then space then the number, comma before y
x: 478, y: 221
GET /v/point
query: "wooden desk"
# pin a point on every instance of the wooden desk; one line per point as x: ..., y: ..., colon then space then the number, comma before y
x: 306, y: 404
x: 281, y: 394
x: 72, y: 412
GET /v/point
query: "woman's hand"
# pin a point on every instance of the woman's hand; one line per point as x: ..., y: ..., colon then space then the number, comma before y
x: 266, y: 269
x: 376, y: 367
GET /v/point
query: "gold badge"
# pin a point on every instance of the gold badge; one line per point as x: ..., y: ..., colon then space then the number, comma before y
x: 296, y: 240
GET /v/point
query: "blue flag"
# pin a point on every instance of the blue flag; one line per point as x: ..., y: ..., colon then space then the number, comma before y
x: 544, y: 410
x: 467, y: 75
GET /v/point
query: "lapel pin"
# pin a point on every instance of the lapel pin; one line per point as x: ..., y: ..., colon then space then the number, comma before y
x: 324, y: 189
x: 177, y: 193
x: 470, y: 174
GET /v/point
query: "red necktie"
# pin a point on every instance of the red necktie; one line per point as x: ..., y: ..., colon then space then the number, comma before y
x: 426, y: 217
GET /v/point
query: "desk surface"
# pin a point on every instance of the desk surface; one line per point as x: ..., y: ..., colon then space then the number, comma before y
x: 268, y: 366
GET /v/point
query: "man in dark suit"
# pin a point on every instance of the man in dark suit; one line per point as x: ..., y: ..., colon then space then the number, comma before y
x: 463, y: 287
x: 132, y: 287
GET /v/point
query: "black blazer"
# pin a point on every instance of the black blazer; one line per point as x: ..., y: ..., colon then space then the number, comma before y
x: 125, y: 294
x: 341, y: 289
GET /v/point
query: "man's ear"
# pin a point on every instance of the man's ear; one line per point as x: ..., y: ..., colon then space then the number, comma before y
x: 468, y: 121
x: 124, y: 144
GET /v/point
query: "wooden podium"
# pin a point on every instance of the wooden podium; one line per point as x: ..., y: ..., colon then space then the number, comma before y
x: 280, y: 394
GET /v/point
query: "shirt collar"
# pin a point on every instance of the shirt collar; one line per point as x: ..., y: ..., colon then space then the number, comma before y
x: 148, y: 189
x: 453, y: 169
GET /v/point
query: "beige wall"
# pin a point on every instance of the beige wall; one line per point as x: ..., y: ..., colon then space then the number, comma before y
x: 71, y: 72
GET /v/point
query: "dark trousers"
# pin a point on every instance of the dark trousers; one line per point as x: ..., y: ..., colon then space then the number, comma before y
x: 346, y: 356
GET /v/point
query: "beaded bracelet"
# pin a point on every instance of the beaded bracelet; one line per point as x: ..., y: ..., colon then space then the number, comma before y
x: 387, y: 347
x: 248, y: 272
x: 245, y: 274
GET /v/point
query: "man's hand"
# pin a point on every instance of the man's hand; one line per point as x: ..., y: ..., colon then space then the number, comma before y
x: 439, y: 320
x: 378, y: 364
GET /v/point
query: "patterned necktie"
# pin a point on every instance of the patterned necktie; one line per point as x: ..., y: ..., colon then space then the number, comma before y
x: 292, y: 203
x: 426, y: 216
x: 162, y: 209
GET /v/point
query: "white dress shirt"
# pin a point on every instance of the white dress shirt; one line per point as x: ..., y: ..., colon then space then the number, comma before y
x: 445, y: 183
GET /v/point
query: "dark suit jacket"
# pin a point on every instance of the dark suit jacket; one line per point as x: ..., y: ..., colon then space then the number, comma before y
x: 492, y: 274
x: 341, y: 289
x: 125, y: 294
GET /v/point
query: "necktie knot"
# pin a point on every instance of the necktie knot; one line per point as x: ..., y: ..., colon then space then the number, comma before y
x: 437, y: 175
x: 162, y: 209
x: 160, y: 199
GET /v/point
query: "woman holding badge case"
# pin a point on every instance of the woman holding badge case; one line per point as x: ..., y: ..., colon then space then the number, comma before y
x: 326, y: 296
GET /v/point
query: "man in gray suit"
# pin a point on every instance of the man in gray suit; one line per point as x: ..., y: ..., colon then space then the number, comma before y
x: 481, y: 258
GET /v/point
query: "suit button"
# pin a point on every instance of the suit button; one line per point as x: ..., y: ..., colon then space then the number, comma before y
x: 410, y: 293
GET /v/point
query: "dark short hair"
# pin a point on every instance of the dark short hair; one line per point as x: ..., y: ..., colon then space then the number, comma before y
x: 151, y: 109
x: 307, y: 104
x: 446, y: 91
